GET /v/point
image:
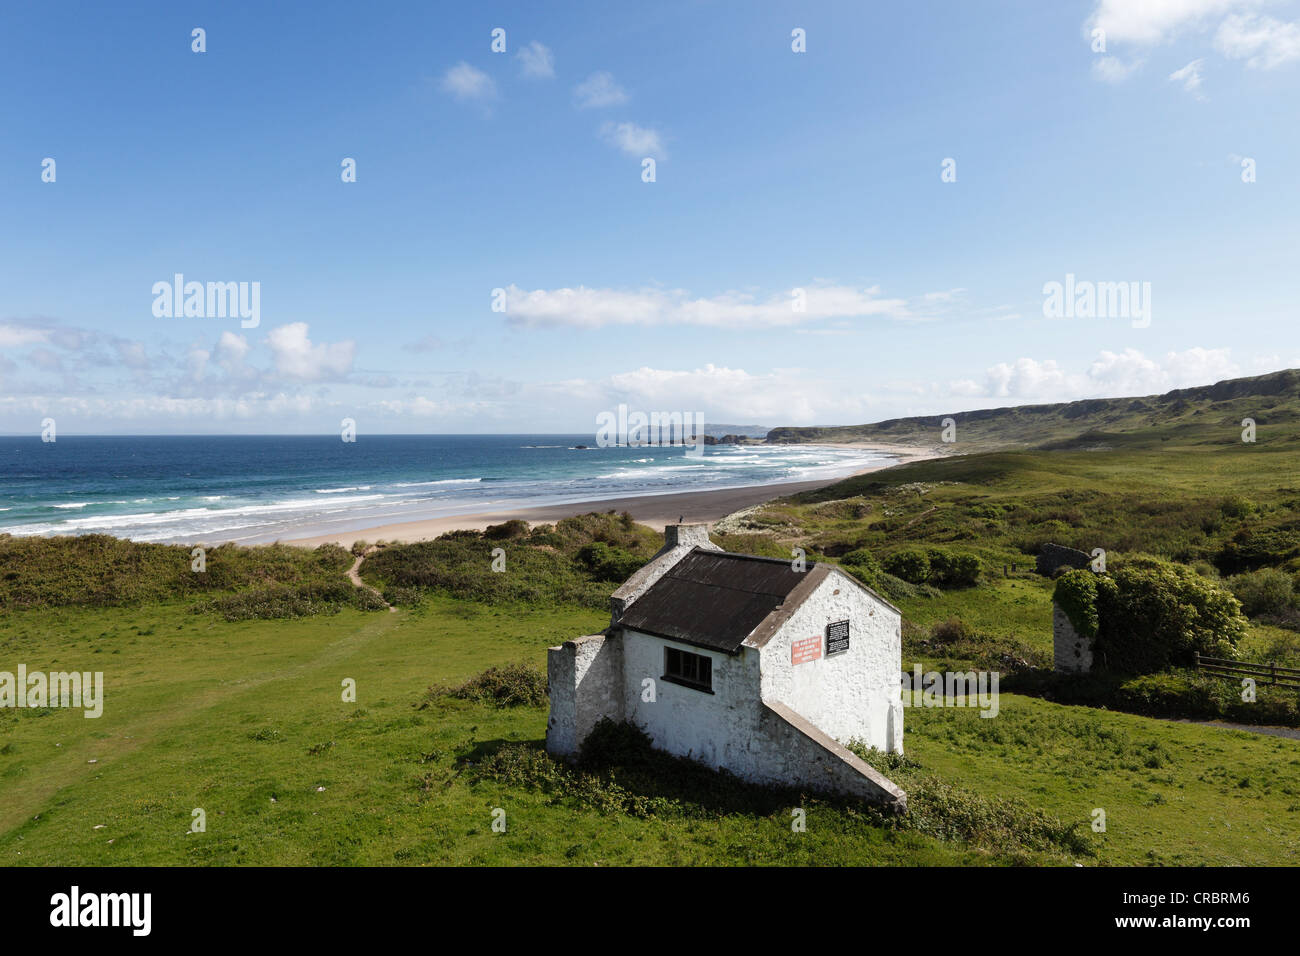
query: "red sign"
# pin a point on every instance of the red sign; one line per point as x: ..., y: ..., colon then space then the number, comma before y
x: 808, y: 649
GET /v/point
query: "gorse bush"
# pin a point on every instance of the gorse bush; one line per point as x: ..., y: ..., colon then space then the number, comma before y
x: 953, y: 569
x: 291, y: 600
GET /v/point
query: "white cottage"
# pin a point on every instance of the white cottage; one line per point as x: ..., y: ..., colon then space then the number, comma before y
x: 743, y: 663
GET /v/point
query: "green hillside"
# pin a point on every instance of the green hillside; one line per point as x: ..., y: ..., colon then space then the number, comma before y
x: 1272, y: 399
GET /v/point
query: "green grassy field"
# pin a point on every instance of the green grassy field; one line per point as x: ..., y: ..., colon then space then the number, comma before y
x: 224, y: 691
x: 245, y: 720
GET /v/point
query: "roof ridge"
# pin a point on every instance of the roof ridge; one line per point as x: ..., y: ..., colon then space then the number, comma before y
x: 756, y: 557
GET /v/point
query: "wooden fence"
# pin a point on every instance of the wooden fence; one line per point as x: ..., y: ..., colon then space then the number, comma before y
x: 1270, y: 674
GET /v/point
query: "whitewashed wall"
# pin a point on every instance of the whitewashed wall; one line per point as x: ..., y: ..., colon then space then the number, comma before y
x: 852, y: 694
x: 714, y: 729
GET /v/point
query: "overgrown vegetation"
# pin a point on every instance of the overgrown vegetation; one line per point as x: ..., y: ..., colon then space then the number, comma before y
x: 238, y: 583
x: 619, y: 772
x: 1147, y: 615
x: 575, y: 562
x: 1180, y: 693
x: 939, y: 809
x: 511, y: 685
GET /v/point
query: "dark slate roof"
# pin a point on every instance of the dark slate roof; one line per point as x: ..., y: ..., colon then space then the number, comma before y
x: 714, y: 599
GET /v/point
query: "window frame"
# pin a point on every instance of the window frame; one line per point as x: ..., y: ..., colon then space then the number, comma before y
x: 682, y: 674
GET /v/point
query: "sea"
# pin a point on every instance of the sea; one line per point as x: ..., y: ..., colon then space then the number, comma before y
x: 205, y: 489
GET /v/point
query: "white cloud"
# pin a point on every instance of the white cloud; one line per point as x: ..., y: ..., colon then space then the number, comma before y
x: 598, y: 90
x: 468, y: 83
x: 634, y: 140
x: 132, y: 355
x: 1110, y: 375
x: 1149, y: 22
x: 1189, y: 76
x: 296, y: 357
x: 233, y: 348
x: 17, y: 336
x: 1111, y: 69
x: 719, y: 393
x: 536, y: 61
x: 593, y: 308
x: 1264, y: 43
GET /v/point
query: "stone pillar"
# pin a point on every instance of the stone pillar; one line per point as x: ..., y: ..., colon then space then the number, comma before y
x: 1071, y: 652
x: 585, y: 683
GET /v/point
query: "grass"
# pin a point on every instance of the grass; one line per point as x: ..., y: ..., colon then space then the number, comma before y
x: 1173, y: 794
x: 245, y: 720
x: 224, y: 692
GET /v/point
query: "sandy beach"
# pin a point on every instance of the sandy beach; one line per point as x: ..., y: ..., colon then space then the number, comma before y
x: 652, y: 510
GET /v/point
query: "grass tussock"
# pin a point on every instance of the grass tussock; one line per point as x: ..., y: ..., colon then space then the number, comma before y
x: 513, y: 685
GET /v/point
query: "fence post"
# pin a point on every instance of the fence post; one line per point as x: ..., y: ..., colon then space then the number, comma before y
x: 1272, y: 673
x: 1198, y: 659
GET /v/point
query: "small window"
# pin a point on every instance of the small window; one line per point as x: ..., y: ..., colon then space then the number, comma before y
x: 687, y: 669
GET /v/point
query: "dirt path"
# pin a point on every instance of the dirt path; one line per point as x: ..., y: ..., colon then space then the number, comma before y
x: 354, y: 575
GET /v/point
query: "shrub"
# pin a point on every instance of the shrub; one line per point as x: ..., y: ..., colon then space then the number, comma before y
x: 1235, y: 506
x: 862, y: 564
x: 890, y: 587
x: 400, y: 596
x: 953, y: 569
x: 1174, y: 693
x: 910, y: 564
x: 861, y: 558
x: 97, y: 570
x: 949, y: 631
x: 1150, y: 614
x: 507, y: 531
x: 1266, y: 591
x: 1153, y: 614
x: 514, y: 685
x: 1076, y: 595
x: 606, y: 563
x: 1249, y: 549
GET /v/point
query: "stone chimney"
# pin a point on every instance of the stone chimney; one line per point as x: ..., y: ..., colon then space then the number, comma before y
x: 679, y: 541
x: 686, y: 535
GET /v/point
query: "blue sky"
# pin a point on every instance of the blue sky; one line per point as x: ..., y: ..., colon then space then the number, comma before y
x: 523, y: 171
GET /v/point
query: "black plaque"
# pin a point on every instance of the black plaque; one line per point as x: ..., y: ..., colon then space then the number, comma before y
x: 837, y: 638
